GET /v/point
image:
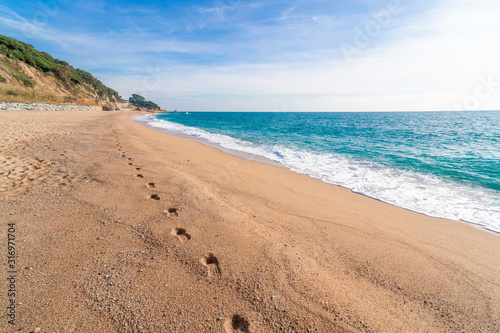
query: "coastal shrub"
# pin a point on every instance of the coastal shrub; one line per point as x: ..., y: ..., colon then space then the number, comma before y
x: 25, y: 80
x: 49, y: 58
x: 43, y: 64
x: 29, y: 59
x: 29, y: 48
x: 100, y: 89
x: 20, y: 77
x: 11, y: 43
x: 18, y: 94
x: 73, y: 75
x: 16, y: 54
x: 62, y: 73
x: 4, y: 49
x: 9, y: 66
x: 2, y: 79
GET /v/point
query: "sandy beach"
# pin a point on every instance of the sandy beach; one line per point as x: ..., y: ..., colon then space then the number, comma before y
x: 120, y: 228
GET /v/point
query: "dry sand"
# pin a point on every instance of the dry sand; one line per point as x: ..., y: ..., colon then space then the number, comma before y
x: 120, y: 228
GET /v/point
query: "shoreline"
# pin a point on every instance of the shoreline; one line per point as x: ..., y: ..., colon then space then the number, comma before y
x: 262, y: 159
x: 237, y: 153
x: 125, y: 227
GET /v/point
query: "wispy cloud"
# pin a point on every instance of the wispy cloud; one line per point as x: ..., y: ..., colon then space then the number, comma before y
x: 278, y: 54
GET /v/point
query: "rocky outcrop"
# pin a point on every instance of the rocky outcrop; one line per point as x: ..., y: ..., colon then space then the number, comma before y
x: 108, y: 107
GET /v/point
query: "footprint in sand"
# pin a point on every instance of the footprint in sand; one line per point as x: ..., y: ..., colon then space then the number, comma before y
x: 171, y: 211
x: 150, y: 185
x: 130, y: 158
x: 130, y: 164
x: 137, y: 169
x: 236, y: 324
x: 154, y: 197
x: 181, y: 234
x: 139, y: 175
x: 212, y: 263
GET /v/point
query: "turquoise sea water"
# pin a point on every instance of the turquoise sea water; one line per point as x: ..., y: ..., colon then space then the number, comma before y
x: 443, y: 164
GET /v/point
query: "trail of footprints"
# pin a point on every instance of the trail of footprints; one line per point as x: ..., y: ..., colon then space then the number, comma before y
x: 211, y: 262
x: 180, y: 234
x: 236, y: 323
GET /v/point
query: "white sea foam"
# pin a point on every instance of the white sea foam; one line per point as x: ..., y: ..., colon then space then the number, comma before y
x: 419, y: 192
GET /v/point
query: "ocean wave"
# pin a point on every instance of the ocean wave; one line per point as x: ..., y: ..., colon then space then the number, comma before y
x: 423, y: 193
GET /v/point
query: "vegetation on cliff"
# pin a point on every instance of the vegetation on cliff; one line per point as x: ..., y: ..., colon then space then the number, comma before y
x: 70, y: 77
x: 140, y: 102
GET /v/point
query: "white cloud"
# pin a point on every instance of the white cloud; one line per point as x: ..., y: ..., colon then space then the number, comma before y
x: 430, y: 60
x: 431, y: 71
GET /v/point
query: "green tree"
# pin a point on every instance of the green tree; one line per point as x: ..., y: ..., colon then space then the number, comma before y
x: 139, y: 101
x: 48, y: 57
x: 16, y: 54
x: 43, y: 64
x: 29, y: 59
x: 11, y: 43
x: 73, y: 75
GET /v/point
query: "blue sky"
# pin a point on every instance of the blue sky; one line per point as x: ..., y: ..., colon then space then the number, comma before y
x: 316, y: 55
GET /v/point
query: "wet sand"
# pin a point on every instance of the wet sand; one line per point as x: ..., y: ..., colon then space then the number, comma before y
x: 120, y: 228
